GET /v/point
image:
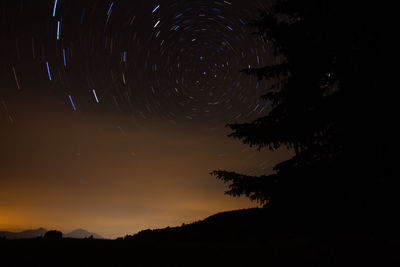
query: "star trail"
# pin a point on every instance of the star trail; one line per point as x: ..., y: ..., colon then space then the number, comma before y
x: 91, y: 88
x: 184, y: 56
x: 232, y: 129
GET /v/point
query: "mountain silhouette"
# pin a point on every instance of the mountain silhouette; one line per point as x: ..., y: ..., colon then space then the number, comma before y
x: 81, y: 233
x: 24, y: 234
x: 40, y: 232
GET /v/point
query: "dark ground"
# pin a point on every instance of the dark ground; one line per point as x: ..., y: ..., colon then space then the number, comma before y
x: 69, y: 252
x: 237, y: 238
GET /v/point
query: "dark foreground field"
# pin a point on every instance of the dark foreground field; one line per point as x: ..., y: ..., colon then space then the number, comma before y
x: 237, y: 238
x: 70, y: 252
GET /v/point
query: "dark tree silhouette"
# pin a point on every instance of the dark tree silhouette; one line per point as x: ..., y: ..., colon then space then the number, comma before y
x: 53, y: 235
x: 327, y: 105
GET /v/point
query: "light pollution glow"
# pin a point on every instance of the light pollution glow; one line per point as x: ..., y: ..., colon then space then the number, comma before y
x: 113, y: 176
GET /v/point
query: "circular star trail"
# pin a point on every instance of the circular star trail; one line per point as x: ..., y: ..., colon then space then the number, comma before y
x: 175, y: 60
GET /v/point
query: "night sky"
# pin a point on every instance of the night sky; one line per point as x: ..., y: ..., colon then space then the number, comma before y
x: 113, y: 113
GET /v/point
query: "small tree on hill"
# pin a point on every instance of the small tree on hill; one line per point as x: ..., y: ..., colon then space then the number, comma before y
x: 53, y: 235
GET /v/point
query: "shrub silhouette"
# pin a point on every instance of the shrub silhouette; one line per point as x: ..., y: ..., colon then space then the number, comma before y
x: 53, y: 235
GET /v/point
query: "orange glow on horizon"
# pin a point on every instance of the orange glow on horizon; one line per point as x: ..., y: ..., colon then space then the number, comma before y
x: 66, y: 172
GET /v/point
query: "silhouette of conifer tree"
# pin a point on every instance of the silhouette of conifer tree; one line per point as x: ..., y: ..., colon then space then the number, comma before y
x: 324, y: 105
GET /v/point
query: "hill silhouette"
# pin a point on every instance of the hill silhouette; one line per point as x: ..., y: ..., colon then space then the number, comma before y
x: 255, y: 225
x: 81, y: 233
x: 24, y: 234
x: 245, y: 225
